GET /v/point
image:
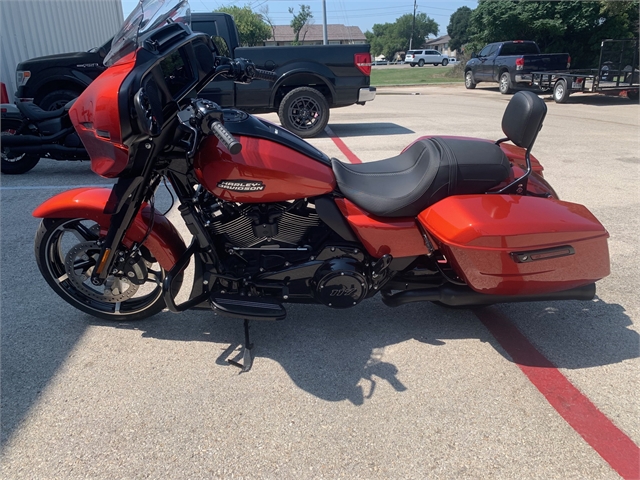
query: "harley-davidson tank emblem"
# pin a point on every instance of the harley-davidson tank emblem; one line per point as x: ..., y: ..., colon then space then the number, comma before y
x: 241, y: 185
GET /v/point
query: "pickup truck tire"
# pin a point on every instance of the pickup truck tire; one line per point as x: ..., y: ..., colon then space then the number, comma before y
x: 304, y: 111
x: 421, y: 63
x: 468, y: 80
x: 15, y: 164
x: 57, y: 99
x: 560, y: 91
x: 505, y: 83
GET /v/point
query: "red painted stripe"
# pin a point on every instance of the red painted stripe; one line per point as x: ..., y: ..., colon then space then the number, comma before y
x: 616, y: 448
x: 341, y: 145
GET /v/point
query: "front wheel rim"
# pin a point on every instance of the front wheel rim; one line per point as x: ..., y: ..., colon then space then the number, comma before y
x: 69, y: 264
x: 305, y: 113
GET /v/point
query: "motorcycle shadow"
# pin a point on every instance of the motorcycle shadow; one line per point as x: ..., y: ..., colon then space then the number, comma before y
x: 340, y: 355
x: 365, y: 129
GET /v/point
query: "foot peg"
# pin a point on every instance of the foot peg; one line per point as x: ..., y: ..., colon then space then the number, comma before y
x: 249, y: 308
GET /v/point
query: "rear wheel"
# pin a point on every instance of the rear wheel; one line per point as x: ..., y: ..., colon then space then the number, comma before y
x: 468, y: 80
x: 57, y: 99
x: 633, y: 95
x: 67, y: 253
x: 560, y: 91
x: 15, y: 164
x: 421, y: 63
x: 412, y: 65
x: 304, y: 111
x: 505, y: 83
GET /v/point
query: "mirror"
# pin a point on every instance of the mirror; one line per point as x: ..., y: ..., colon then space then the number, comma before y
x: 474, y: 55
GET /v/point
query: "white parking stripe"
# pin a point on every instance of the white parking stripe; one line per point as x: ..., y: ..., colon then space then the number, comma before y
x: 54, y: 187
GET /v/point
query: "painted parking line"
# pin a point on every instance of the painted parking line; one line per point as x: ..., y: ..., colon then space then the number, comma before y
x: 611, y: 443
x: 342, y: 146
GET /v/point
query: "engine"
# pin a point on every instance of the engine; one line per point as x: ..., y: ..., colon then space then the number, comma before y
x: 284, y: 249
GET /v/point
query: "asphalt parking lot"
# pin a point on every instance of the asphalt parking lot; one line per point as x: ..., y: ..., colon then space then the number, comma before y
x: 372, y: 392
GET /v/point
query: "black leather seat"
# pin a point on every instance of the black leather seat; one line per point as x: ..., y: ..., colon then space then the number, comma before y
x: 430, y: 170
x: 35, y: 113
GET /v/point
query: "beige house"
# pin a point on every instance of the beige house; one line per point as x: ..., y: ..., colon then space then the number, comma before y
x: 441, y: 44
x: 337, y: 34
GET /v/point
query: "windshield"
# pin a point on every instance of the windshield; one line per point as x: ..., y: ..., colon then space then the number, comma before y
x: 149, y: 15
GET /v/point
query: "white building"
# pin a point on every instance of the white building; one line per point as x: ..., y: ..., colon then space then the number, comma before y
x: 33, y: 28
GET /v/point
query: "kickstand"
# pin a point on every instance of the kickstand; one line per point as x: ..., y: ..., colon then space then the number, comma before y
x: 246, y: 353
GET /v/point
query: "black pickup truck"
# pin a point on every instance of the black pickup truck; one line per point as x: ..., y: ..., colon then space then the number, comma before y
x: 311, y: 79
x: 510, y: 64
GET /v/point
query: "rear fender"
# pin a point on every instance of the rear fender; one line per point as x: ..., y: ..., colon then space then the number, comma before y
x: 10, y: 112
x: 164, y: 241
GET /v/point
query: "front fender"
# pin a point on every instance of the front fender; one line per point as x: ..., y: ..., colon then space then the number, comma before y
x: 164, y: 241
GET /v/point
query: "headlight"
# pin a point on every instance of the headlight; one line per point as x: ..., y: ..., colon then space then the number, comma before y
x: 22, y: 77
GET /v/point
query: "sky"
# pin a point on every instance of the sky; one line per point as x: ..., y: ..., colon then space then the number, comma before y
x: 361, y: 13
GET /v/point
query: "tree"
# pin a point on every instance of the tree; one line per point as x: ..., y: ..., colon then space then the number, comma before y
x: 572, y: 26
x: 266, y: 16
x: 458, y: 28
x: 299, y: 21
x: 388, y: 38
x: 251, y: 27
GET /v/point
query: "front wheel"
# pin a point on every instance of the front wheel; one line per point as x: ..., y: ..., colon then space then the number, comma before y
x: 445, y: 62
x: 304, y: 111
x: 505, y: 83
x: 67, y: 253
x: 15, y: 164
x: 468, y: 80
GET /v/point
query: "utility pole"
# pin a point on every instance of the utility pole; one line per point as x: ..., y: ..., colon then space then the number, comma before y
x: 324, y: 22
x: 413, y: 27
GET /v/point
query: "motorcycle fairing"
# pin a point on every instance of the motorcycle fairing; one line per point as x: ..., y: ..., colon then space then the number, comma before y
x: 96, y: 117
x: 519, y: 245
x: 164, y: 241
x: 264, y: 171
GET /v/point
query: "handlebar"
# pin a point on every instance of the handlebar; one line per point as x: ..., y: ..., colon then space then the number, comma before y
x: 225, y: 137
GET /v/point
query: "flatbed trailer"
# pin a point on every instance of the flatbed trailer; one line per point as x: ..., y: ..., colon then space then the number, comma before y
x: 617, y: 72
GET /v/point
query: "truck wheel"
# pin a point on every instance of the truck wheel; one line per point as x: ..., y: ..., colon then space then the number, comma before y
x: 13, y: 164
x: 560, y: 91
x: 445, y: 62
x: 505, y: 83
x: 421, y: 63
x: 468, y: 80
x: 632, y: 95
x: 57, y: 99
x: 304, y: 111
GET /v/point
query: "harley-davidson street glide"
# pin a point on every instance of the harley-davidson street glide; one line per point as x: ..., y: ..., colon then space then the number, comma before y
x: 453, y: 220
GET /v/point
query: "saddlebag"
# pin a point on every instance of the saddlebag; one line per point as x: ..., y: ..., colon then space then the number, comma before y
x: 518, y: 245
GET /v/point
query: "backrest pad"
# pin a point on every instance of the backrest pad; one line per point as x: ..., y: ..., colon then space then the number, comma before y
x: 522, y: 120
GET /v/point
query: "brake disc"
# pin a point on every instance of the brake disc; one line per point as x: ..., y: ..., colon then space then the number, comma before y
x: 79, y: 264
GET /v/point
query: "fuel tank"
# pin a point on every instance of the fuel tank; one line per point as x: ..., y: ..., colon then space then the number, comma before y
x: 273, y: 166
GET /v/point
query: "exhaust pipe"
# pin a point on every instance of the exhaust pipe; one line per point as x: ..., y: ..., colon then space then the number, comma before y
x: 51, y: 150
x: 460, y: 296
x: 34, y: 140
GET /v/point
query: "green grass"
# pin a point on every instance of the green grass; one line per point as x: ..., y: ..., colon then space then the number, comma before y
x: 383, y: 75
